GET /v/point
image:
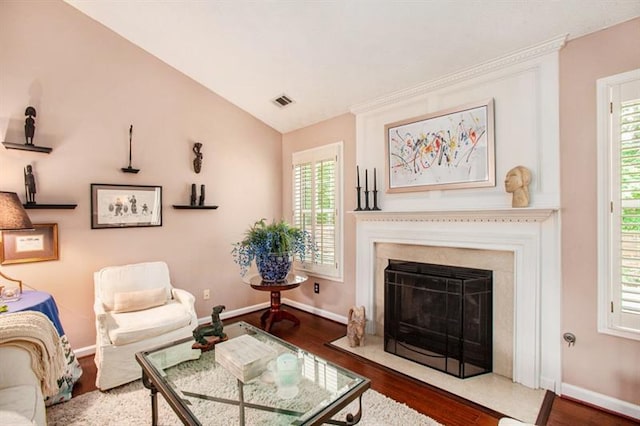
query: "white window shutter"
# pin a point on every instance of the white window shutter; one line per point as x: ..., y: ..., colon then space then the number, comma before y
x: 629, y: 211
x: 317, y: 204
x: 619, y: 205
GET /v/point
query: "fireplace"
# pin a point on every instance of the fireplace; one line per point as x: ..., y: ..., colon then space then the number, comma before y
x: 439, y: 316
x: 518, y: 245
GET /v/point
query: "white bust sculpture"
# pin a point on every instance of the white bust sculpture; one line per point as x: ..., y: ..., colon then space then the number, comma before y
x: 517, y: 183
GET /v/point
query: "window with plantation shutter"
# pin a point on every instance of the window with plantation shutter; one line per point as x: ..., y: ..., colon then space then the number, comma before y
x: 619, y: 204
x: 317, y: 206
x: 630, y: 206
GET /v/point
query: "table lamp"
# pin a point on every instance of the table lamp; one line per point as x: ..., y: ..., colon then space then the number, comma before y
x: 12, y: 217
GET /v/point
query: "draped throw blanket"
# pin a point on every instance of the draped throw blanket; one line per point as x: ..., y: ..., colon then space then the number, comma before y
x: 35, y: 333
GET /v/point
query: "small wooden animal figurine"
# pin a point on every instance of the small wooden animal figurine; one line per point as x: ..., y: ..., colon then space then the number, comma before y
x: 214, y: 330
x: 355, y: 326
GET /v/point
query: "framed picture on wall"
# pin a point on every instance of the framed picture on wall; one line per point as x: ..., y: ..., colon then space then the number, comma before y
x: 444, y: 150
x: 124, y: 206
x: 32, y: 245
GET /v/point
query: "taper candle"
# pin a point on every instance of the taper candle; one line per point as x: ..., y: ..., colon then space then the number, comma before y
x: 366, y: 179
x: 374, y: 179
x: 358, y: 174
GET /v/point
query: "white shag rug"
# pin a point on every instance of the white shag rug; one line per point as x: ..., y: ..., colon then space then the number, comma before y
x: 131, y: 405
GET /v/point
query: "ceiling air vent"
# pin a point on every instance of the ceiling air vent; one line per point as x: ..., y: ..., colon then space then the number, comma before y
x: 282, y: 101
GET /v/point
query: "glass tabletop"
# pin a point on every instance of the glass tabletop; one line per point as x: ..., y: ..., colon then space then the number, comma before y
x: 252, y: 378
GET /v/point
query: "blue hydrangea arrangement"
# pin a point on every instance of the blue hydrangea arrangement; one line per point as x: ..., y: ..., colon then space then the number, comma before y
x: 277, y: 238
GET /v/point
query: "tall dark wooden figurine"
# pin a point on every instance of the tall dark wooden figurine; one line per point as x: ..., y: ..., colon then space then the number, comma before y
x: 197, y: 162
x: 29, y: 125
x: 30, y: 185
x: 130, y: 169
x: 193, y: 194
x: 201, y: 201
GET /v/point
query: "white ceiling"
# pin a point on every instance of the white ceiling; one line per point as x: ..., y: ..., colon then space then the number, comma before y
x: 330, y: 55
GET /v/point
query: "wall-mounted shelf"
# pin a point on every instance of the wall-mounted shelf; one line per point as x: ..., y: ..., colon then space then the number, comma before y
x: 129, y: 170
x: 50, y: 206
x: 188, y: 207
x: 26, y: 147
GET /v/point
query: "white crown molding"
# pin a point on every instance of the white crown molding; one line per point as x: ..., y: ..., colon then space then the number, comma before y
x: 506, y: 215
x: 519, y: 56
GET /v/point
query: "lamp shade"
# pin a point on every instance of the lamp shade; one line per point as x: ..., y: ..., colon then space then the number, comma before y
x: 12, y: 214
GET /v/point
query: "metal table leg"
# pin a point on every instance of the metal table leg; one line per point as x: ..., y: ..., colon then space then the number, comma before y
x: 241, y: 404
x: 351, y: 419
x: 154, y: 398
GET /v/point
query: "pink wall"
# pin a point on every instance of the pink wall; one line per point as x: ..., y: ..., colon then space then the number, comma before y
x: 88, y: 85
x: 336, y: 297
x: 598, y: 362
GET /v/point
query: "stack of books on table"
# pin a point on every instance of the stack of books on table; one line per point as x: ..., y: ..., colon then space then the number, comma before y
x: 244, y: 356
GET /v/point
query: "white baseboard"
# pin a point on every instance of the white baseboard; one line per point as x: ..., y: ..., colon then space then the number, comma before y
x: 86, y: 351
x: 548, y: 384
x: 316, y: 311
x: 606, y: 402
x: 236, y: 312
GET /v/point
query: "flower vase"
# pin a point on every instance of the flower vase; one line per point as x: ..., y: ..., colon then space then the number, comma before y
x: 274, y: 267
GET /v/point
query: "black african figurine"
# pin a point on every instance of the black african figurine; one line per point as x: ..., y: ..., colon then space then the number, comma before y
x: 197, y: 162
x: 30, y: 185
x: 29, y: 125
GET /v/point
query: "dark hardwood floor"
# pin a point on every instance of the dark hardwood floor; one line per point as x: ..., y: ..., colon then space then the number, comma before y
x: 314, y: 334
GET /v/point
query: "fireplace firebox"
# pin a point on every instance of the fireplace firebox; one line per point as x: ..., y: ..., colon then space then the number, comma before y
x: 439, y: 316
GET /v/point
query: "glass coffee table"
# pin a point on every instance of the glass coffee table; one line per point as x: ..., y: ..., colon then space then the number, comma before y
x: 205, y: 390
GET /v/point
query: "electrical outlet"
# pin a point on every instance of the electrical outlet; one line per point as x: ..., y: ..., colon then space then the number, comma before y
x: 316, y: 288
x: 206, y: 294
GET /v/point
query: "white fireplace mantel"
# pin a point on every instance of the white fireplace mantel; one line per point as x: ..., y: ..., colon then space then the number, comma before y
x: 532, y: 234
x: 501, y: 215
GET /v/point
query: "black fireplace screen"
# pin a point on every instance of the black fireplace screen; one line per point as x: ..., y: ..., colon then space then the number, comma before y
x: 439, y: 316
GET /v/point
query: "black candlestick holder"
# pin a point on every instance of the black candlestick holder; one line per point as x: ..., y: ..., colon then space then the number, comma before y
x: 375, y: 200
x: 359, y: 208
x: 366, y: 200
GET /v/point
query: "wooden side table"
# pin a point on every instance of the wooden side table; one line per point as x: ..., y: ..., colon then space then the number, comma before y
x: 275, y: 313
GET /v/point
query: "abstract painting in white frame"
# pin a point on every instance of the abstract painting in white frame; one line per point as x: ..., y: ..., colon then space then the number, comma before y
x: 447, y: 149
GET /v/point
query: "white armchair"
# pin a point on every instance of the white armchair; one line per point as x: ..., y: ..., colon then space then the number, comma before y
x: 137, y: 309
